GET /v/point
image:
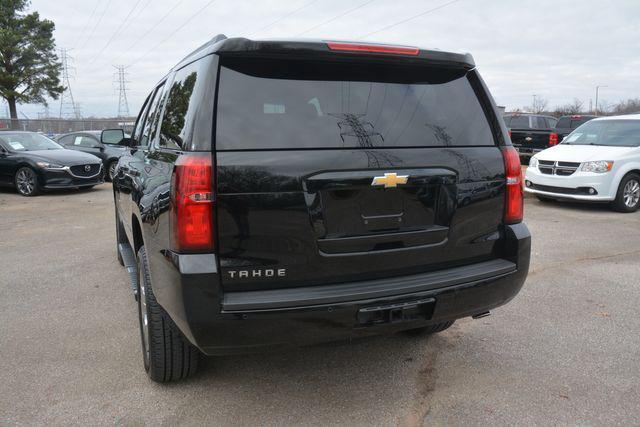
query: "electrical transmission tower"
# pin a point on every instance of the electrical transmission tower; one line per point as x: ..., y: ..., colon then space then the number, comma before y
x: 68, y: 107
x: 121, y: 81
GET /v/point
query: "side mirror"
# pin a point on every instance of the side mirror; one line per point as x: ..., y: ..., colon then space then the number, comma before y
x: 111, y: 136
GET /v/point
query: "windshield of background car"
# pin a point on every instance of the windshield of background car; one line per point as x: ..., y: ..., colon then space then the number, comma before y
x: 264, y: 104
x: 617, y: 133
x: 516, y: 121
x: 571, y: 122
x: 27, y: 142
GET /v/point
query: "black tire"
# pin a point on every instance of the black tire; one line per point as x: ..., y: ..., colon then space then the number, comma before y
x: 545, y: 199
x: 431, y: 329
x: 167, y: 354
x: 26, y: 182
x: 108, y: 171
x: 628, y: 196
x: 121, y: 237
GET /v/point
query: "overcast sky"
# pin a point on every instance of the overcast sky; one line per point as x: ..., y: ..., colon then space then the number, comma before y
x: 559, y: 50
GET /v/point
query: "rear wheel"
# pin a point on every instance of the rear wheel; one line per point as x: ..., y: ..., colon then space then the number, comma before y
x: 167, y: 354
x: 431, y: 329
x: 26, y: 182
x: 628, y: 196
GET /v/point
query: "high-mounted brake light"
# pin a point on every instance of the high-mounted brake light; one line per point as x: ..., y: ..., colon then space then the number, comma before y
x: 192, y: 204
x: 373, y: 48
x: 553, y: 138
x: 514, y: 201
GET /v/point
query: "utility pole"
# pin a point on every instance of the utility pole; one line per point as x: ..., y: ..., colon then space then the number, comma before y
x: 533, y: 107
x: 68, y: 106
x: 597, y: 89
x: 121, y: 80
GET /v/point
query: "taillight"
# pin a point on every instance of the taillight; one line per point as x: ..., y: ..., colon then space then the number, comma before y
x: 553, y: 138
x: 192, y: 204
x: 373, y: 48
x: 513, y: 207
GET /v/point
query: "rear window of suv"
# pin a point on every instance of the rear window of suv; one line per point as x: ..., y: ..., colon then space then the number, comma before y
x: 264, y: 104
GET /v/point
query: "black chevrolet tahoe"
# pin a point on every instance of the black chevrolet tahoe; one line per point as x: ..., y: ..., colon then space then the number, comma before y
x: 286, y: 193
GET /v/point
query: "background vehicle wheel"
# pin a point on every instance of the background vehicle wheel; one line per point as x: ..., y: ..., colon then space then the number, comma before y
x: 168, y: 356
x: 111, y: 170
x: 545, y: 199
x: 26, y: 182
x: 628, y: 196
x: 431, y: 329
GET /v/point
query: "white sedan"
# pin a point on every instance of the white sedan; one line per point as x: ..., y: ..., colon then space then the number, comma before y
x: 599, y: 161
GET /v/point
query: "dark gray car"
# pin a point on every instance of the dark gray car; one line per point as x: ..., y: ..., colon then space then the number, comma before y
x: 94, y: 142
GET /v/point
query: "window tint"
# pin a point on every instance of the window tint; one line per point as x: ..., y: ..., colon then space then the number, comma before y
x: 185, y: 105
x: 518, y: 122
x: 151, y: 118
x: 295, y: 104
x: 66, y: 140
x: 137, y: 130
x: 551, y: 122
x: 564, y: 122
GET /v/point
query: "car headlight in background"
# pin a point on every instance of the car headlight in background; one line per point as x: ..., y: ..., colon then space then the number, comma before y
x: 533, y: 162
x: 45, y: 165
x: 600, y: 166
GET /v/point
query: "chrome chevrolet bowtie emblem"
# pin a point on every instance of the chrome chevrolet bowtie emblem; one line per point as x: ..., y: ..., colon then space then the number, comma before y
x: 390, y: 180
x: 87, y: 168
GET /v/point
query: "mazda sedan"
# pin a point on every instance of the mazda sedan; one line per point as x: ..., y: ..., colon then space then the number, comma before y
x: 31, y: 162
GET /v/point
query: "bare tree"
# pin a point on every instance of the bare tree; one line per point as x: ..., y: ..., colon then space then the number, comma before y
x: 574, y: 107
x: 625, y: 107
x: 539, y: 105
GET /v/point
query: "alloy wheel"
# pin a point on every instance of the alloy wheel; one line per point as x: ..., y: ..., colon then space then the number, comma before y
x: 26, y: 181
x: 631, y: 193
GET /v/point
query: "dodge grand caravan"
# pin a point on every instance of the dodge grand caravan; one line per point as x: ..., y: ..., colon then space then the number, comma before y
x: 279, y: 193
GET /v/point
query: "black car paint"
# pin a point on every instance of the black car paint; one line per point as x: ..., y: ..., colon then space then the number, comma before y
x: 251, y: 223
x: 106, y: 152
x: 11, y: 161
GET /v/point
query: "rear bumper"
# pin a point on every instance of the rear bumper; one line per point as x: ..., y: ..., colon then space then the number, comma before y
x: 250, y: 321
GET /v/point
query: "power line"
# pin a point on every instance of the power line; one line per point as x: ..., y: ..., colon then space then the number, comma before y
x: 209, y: 3
x: 97, y: 24
x: 122, y: 24
x: 86, y: 25
x: 293, y: 12
x: 353, y: 9
x: 409, y: 19
x: 134, y: 44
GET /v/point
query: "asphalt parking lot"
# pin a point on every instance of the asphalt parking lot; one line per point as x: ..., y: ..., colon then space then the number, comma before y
x: 565, y: 351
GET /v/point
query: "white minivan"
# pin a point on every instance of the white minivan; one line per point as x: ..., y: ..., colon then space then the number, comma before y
x: 599, y: 161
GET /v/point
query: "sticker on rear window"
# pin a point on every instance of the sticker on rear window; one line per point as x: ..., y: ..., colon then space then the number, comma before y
x: 16, y: 145
x: 273, y: 109
x: 573, y: 137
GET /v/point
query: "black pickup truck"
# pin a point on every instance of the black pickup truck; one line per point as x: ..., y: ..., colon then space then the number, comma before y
x: 531, y: 133
x: 279, y: 193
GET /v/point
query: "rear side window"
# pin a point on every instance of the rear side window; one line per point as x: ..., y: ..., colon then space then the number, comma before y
x: 517, y: 122
x: 294, y: 104
x: 188, y: 113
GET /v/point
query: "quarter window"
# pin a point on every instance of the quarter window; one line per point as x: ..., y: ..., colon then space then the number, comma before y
x: 181, y: 111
